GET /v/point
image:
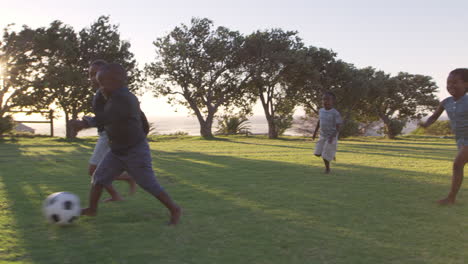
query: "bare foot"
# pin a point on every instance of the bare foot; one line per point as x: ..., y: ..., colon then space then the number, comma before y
x: 88, y: 212
x: 175, y: 216
x: 446, y: 201
x: 327, y: 171
x: 113, y: 199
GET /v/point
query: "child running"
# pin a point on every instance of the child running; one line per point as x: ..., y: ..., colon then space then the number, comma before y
x: 129, y: 149
x: 329, y: 125
x: 457, y: 111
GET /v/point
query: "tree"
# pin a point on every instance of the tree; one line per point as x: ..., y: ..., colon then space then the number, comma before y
x: 16, y: 72
x: 102, y: 40
x: 64, y: 57
x: 200, y: 68
x: 322, y: 72
x: 271, y: 59
x: 59, y: 75
x: 400, y: 98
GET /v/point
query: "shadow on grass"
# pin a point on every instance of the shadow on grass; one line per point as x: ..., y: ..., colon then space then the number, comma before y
x: 238, y: 210
x: 432, y: 153
x: 269, y: 141
x: 370, y: 210
x: 407, y: 140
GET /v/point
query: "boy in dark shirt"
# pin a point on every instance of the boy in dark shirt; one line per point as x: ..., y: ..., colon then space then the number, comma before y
x: 130, y: 151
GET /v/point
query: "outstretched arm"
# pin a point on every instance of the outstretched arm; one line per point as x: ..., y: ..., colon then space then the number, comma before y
x: 440, y: 109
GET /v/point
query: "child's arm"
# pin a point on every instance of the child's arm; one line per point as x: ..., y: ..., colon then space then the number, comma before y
x: 440, y: 109
x: 330, y: 139
x: 316, y: 129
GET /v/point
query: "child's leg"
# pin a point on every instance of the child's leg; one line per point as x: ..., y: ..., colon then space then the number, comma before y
x: 328, y: 154
x: 102, y: 177
x: 94, y: 195
x: 457, y: 178
x: 138, y: 164
x: 319, y: 147
x: 115, y: 196
x: 146, y: 179
x: 327, y: 166
x: 100, y: 151
x: 126, y: 177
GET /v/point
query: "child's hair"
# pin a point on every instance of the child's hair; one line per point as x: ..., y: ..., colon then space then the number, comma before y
x: 462, y: 72
x: 98, y: 62
x: 332, y: 95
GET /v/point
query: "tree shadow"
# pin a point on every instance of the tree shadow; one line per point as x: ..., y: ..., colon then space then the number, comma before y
x: 372, y: 209
x: 407, y: 140
x: 400, y: 151
x: 268, y: 142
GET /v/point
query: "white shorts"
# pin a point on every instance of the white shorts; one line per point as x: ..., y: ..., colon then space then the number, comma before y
x: 101, y: 149
x: 325, y: 149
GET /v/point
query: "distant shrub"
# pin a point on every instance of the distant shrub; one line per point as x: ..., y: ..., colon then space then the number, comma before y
x: 233, y: 125
x: 283, y: 123
x: 438, y: 128
x: 394, y: 128
x: 178, y: 133
x: 350, y: 128
x: 305, y: 125
x: 6, y: 124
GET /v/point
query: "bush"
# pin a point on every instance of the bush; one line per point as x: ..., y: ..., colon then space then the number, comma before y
x: 349, y: 128
x: 6, y: 124
x: 438, y: 128
x: 394, y: 128
x: 233, y: 125
x: 283, y: 123
x: 178, y: 133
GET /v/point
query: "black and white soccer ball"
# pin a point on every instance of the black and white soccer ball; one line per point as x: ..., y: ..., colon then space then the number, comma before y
x: 61, y: 208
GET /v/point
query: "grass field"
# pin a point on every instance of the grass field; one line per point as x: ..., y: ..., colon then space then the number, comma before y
x: 246, y: 200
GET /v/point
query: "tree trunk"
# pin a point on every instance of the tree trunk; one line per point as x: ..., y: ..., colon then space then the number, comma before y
x: 205, y: 130
x: 388, y: 125
x: 272, y: 130
x: 69, y: 134
x: 206, y: 125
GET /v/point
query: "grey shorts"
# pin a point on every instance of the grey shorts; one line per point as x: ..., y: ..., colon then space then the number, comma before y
x: 137, y: 162
x: 101, y: 149
x: 462, y: 142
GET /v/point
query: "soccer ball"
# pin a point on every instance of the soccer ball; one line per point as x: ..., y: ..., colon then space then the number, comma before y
x: 61, y: 208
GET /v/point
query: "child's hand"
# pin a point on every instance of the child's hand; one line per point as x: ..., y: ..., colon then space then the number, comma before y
x: 330, y: 140
x: 77, y: 125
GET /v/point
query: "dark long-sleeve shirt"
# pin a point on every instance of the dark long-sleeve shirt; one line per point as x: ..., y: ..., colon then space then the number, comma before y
x: 121, y: 117
x: 98, y: 105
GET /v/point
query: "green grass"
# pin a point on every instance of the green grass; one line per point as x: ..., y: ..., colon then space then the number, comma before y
x: 246, y: 200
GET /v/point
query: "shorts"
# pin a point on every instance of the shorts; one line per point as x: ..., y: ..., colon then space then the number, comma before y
x: 101, y: 149
x: 137, y: 162
x: 324, y: 149
x: 462, y: 142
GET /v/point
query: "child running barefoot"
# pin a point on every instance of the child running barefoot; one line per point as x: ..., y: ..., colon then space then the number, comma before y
x: 329, y: 125
x: 129, y: 149
x: 457, y: 111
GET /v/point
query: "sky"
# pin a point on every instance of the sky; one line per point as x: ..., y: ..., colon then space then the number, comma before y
x: 420, y: 37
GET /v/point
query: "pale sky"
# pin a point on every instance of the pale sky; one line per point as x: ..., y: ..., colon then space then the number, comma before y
x: 420, y: 37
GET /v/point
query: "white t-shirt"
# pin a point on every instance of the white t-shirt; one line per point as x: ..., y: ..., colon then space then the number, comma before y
x: 328, y: 121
